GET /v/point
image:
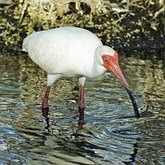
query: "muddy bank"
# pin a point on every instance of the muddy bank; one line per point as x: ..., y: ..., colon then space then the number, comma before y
x: 125, y: 25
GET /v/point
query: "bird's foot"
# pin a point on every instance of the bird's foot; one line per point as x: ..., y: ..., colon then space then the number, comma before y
x: 81, y: 121
x: 45, y: 107
x: 45, y: 111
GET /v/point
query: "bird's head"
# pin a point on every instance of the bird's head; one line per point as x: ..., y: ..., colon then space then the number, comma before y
x: 108, y: 58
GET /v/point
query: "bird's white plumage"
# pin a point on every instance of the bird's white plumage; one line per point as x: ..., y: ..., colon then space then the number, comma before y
x: 67, y: 51
x: 71, y: 51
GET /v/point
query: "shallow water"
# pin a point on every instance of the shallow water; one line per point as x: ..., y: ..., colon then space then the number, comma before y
x: 111, y: 134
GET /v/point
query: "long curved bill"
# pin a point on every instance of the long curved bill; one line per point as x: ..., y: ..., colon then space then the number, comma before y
x: 137, y: 114
x: 115, y: 69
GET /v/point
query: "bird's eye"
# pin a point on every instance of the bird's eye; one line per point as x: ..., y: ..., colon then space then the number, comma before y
x: 105, y: 60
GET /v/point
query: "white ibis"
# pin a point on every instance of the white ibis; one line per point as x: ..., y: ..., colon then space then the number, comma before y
x: 73, y: 52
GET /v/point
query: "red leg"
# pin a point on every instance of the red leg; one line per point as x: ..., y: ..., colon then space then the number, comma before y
x: 81, y: 97
x: 81, y: 106
x: 45, y: 105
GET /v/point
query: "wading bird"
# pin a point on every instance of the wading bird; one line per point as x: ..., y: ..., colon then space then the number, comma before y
x: 73, y: 52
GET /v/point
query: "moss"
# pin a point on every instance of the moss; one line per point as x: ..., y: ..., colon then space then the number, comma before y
x: 116, y: 22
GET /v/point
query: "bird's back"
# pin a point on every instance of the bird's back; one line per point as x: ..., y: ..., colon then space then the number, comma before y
x: 61, y: 50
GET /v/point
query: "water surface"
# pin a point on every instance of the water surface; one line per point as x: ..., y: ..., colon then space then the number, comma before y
x: 111, y: 134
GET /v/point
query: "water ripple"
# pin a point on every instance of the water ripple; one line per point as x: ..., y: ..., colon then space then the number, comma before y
x: 111, y: 134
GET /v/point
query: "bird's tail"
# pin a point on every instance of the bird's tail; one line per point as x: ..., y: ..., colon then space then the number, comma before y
x: 24, y: 49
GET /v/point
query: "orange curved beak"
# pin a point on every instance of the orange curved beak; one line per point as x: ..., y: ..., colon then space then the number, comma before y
x: 115, y: 69
x: 111, y: 64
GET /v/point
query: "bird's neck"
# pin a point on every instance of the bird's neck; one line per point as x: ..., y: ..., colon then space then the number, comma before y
x: 98, y: 71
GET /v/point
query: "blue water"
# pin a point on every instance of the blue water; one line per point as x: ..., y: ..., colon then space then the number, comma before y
x: 111, y: 134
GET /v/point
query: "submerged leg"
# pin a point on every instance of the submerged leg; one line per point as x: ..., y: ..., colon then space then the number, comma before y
x: 45, y: 105
x: 81, y: 104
